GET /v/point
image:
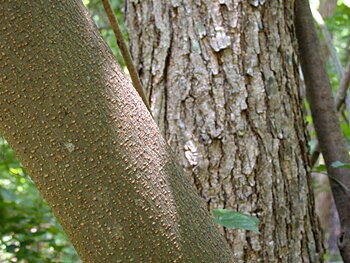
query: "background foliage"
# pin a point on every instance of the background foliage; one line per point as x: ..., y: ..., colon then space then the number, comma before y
x: 28, y: 230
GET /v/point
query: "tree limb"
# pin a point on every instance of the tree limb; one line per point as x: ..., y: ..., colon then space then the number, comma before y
x: 326, y: 122
x: 89, y: 144
x: 340, y: 99
x: 343, y: 76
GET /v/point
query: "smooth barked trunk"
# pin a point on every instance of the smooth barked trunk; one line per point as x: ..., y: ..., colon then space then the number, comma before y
x: 329, y: 133
x: 222, y: 78
x: 90, y: 145
x: 327, y: 7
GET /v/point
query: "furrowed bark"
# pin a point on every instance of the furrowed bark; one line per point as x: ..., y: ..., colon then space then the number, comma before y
x: 326, y: 123
x: 91, y: 146
x: 224, y: 88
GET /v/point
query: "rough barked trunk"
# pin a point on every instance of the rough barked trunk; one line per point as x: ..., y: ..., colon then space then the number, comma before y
x: 91, y: 146
x: 222, y: 78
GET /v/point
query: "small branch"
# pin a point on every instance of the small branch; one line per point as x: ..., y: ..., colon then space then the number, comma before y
x: 125, y: 52
x: 346, y: 190
x: 343, y: 87
x: 325, y: 118
x: 329, y: 42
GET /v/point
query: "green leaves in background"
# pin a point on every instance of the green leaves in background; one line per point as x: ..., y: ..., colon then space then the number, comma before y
x: 231, y: 219
x: 320, y: 169
x: 337, y: 164
x: 99, y: 16
x: 29, y: 232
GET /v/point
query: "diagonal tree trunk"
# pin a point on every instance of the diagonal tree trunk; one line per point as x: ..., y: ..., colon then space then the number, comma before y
x: 327, y: 126
x: 90, y: 144
x: 223, y: 81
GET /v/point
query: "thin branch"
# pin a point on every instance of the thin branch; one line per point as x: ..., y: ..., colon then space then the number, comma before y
x: 125, y: 52
x: 326, y: 122
x: 329, y: 42
x: 346, y: 189
x: 343, y: 88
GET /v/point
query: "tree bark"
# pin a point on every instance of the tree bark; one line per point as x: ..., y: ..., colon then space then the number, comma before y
x: 327, y: 7
x: 223, y: 81
x: 91, y: 146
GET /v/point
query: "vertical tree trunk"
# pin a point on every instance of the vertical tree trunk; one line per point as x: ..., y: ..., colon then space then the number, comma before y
x: 91, y: 146
x: 327, y: 7
x: 223, y: 81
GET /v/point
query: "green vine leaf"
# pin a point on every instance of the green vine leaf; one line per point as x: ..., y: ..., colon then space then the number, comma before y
x: 231, y: 219
x: 338, y: 164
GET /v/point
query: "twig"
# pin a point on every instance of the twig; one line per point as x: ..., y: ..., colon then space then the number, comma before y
x: 125, y: 52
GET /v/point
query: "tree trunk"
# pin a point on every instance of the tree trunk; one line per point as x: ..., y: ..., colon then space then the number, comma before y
x: 91, y: 146
x: 324, y: 114
x: 223, y: 81
x: 327, y: 7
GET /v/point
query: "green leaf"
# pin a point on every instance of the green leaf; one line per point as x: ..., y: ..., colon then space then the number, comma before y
x: 338, y: 164
x: 321, y: 168
x: 231, y: 219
